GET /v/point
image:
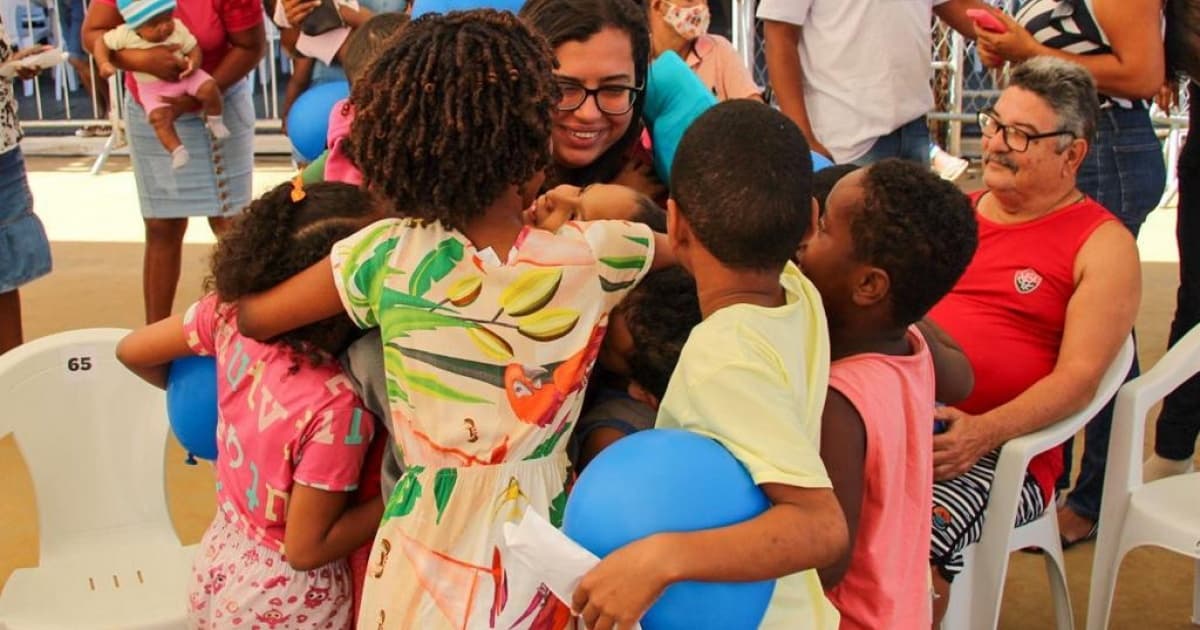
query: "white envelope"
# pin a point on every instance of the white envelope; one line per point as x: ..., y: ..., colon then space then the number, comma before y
x: 539, y: 553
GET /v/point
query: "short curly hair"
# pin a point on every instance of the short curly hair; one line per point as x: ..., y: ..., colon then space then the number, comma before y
x: 455, y: 110
x: 742, y: 178
x: 660, y: 313
x: 276, y: 238
x: 917, y: 227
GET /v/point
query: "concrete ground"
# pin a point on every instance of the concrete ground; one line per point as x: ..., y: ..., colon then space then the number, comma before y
x: 96, y: 231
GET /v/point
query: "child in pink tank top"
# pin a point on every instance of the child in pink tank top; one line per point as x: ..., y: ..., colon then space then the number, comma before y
x: 291, y: 433
x: 893, y: 238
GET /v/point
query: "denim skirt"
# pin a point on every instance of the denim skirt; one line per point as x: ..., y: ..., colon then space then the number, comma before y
x: 217, y: 179
x: 24, y: 250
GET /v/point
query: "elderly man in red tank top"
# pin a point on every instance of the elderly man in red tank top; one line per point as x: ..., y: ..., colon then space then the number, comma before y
x: 1041, y: 311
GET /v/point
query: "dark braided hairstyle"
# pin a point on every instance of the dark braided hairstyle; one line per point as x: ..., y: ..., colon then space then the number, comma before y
x: 454, y: 111
x: 562, y: 21
x: 276, y: 238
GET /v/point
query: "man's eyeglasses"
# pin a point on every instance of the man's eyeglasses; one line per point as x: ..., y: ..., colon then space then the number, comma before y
x: 613, y: 100
x: 1016, y: 139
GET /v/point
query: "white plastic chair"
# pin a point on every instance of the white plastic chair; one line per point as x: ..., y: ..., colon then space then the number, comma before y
x: 975, y: 598
x: 1163, y: 513
x: 93, y: 436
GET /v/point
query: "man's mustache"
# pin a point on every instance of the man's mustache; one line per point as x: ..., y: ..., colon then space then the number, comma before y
x: 1002, y: 160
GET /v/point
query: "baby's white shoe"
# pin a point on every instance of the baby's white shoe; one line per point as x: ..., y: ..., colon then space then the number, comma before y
x: 217, y: 126
x: 179, y: 157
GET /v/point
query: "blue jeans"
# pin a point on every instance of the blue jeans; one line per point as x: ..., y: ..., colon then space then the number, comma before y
x: 909, y: 142
x: 1124, y: 171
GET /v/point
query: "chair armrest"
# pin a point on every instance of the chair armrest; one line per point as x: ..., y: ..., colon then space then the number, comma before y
x: 1016, y: 454
x: 991, y: 557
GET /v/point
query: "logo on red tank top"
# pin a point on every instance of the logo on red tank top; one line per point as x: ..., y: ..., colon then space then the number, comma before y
x: 1027, y: 281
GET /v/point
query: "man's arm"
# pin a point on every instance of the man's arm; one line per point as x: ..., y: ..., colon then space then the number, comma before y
x: 787, y: 77
x: 1100, y: 316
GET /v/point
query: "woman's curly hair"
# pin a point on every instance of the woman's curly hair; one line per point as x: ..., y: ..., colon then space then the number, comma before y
x: 454, y: 111
x: 276, y: 238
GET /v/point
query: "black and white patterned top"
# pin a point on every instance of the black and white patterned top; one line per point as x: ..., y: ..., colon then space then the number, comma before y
x: 10, y: 125
x: 1070, y: 26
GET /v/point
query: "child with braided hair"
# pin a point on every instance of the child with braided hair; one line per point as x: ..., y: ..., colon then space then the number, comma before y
x: 489, y: 326
x: 291, y: 434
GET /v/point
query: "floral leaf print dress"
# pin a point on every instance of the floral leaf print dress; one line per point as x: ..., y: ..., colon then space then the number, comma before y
x: 486, y: 365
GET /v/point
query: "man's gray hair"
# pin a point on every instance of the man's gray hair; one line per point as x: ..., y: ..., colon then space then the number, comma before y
x: 1067, y: 88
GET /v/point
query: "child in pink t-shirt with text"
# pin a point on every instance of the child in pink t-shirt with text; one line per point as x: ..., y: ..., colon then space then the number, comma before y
x: 892, y: 239
x: 291, y: 433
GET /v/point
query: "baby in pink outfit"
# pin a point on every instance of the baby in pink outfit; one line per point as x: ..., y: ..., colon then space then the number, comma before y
x: 150, y: 24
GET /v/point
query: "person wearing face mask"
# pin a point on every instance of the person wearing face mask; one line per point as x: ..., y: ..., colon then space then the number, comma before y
x: 682, y: 26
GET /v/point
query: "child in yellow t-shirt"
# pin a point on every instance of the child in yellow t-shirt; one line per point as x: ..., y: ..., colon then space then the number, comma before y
x: 752, y: 375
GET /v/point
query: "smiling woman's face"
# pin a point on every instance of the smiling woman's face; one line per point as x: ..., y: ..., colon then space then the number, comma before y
x: 603, y: 60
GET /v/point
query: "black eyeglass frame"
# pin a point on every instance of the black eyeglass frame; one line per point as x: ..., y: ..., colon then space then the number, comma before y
x: 594, y: 94
x: 1002, y: 129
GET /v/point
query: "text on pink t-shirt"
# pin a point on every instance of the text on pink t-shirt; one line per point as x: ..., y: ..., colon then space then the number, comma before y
x: 274, y: 427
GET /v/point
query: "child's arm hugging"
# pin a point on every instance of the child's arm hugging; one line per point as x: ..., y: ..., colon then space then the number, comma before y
x: 603, y: 202
x: 952, y: 370
x: 309, y: 296
x: 148, y: 351
x: 803, y: 529
x: 321, y: 528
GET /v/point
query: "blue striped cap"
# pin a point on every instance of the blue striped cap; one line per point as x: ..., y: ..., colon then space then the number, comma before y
x: 138, y: 12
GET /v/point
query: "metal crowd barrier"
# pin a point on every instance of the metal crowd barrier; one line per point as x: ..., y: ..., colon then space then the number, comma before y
x: 960, y: 84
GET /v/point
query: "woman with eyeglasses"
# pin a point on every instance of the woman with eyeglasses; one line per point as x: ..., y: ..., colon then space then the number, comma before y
x: 1120, y: 43
x: 609, y: 90
x: 603, y: 50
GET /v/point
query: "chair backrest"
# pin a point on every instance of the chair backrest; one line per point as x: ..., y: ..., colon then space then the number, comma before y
x: 93, y: 435
x: 1134, y: 401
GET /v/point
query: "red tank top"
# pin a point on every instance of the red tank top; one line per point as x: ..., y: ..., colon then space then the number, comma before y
x: 1008, y: 309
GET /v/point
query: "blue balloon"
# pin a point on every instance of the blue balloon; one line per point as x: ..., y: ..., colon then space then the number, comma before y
x: 668, y: 480
x: 820, y: 162
x: 421, y: 7
x: 192, y: 404
x: 308, y: 119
